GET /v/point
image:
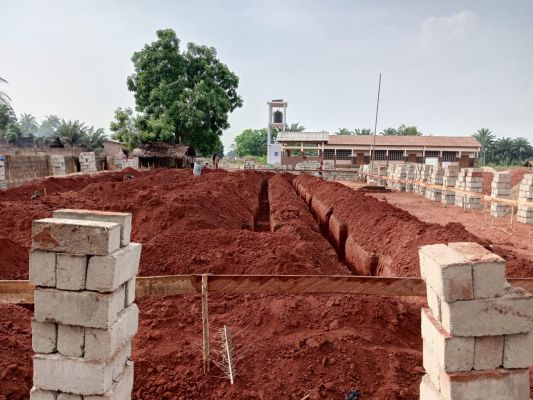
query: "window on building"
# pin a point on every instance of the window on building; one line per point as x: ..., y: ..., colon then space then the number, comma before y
x: 395, y: 155
x: 329, y: 154
x: 449, y: 156
x: 432, y: 154
x: 344, y: 154
x: 380, y: 154
x: 276, y: 154
x: 296, y: 153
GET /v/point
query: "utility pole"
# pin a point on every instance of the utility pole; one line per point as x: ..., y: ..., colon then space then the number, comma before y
x: 375, y: 129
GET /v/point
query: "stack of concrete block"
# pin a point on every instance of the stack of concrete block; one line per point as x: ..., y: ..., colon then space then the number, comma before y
x: 460, y: 184
x: 87, y: 162
x: 120, y: 162
x: 449, y: 180
x: 501, y: 189
x: 424, y: 177
x: 58, y: 165
x: 399, y: 172
x: 477, y: 331
x: 525, y: 212
x: 436, y: 178
x: 3, y: 183
x: 410, y: 176
x: 83, y: 266
x: 473, y: 183
x: 389, y: 176
x: 328, y: 164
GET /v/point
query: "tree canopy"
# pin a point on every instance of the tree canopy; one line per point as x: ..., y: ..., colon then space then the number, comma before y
x: 403, y: 130
x: 181, y: 96
x: 502, y: 151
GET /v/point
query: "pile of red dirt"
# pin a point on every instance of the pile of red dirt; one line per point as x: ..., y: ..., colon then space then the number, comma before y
x: 517, y: 175
x: 393, y: 235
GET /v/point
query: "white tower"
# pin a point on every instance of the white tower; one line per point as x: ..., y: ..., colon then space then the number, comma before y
x: 277, y: 118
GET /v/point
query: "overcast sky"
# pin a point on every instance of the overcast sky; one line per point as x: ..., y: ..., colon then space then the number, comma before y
x: 449, y: 67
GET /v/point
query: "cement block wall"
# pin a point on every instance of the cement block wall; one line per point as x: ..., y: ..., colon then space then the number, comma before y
x: 83, y: 267
x: 477, y: 329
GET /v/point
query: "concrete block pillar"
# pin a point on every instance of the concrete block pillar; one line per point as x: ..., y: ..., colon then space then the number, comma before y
x: 83, y: 267
x: 501, y: 188
x: 87, y: 162
x: 460, y: 184
x: 436, y: 178
x: 58, y: 165
x: 399, y: 172
x: 449, y: 180
x: 425, y: 174
x: 3, y: 182
x: 525, y: 213
x: 473, y: 327
x: 410, y: 176
x: 473, y: 183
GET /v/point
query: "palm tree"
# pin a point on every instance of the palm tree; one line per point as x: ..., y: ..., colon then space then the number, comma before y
x: 389, y: 132
x: 485, y: 137
x: 93, y: 138
x: 521, y: 148
x: 503, y: 150
x: 28, y: 124
x: 4, y: 98
x: 71, y: 133
x: 295, y: 127
x: 343, y: 131
x: 362, y: 132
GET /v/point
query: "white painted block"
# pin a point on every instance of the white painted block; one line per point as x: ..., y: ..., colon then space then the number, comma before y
x: 488, y: 269
x: 518, y: 351
x: 506, y: 315
x: 38, y: 394
x: 77, y: 375
x: 89, y: 309
x: 428, y: 391
x: 121, y: 389
x: 497, y: 384
x: 129, y: 290
x: 447, y: 272
x: 75, y: 236
x: 71, y: 271
x: 42, y: 268
x: 488, y: 353
x: 70, y: 340
x: 453, y: 353
x: 43, y: 337
x: 102, y: 344
x: 106, y: 273
x: 123, y: 219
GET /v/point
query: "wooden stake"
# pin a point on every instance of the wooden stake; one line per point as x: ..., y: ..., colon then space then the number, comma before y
x: 228, y: 355
x: 512, y: 215
x: 205, y: 324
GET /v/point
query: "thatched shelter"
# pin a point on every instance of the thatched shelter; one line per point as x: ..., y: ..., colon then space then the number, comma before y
x: 167, y: 155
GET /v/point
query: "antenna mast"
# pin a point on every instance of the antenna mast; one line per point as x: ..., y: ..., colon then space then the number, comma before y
x: 375, y: 128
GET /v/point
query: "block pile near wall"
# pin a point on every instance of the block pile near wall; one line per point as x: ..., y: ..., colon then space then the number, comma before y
x: 121, y: 162
x: 501, y: 188
x: 449, y: 180
x: 58, y: 165
x: 410, y: 176
x: 436, y: 178
x: 477, y: 331
x: 84, y: 268
x: 424, y: 176
x: 399, y: 171
x: 525, y: 213
x: 87, y: 162
x: 473, y: 183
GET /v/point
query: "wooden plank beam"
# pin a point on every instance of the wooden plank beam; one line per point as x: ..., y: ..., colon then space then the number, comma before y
x: 12, y: 292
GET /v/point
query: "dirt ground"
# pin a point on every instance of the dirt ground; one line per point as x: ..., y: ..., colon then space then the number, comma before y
x: 291, y: 346
x: 499, y: 231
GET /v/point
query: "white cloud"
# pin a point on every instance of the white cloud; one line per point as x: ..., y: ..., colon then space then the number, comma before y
x: 456, y: 27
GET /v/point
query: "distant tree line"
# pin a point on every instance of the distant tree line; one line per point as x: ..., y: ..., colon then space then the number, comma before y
x: 503, y: 150
x: 402, y: 130
x: 51, y: 130
x: 253, y: 142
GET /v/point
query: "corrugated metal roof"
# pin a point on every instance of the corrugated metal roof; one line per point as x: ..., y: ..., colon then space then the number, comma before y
x: 303, y: 136
x: 418, y: 141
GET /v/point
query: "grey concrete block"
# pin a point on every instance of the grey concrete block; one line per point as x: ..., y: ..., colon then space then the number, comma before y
x: 71, y: 271
x: 102, y: 344
x: 488, y: 353
x: 38, y: 394
x: 106, y: 273
x: 123, y: 219
x: 121, y: 388
x: 71, y: 340
x: 75, y: 236
x: 42, y: 268
x: 43, y: 337
x: 89, y: 309
x: 518, y: 350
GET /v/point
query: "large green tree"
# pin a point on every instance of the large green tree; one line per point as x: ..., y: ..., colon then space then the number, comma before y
x: 182, y: 96
x: 28, y: 124
x: 7, y: 117
x: 71, y: 133
x: 251, y: 142
x: 4, y: 98
x: 362, y: 132
x: 48, y: 125
x: 402, y: 130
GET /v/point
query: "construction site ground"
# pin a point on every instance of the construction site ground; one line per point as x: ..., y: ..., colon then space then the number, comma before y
x: 251, y: 223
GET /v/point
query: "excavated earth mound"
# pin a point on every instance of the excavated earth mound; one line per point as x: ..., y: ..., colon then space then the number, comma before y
x: 290, y: 346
